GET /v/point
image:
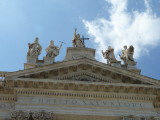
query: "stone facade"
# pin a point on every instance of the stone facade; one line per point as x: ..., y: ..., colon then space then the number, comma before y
x: 78, y: 88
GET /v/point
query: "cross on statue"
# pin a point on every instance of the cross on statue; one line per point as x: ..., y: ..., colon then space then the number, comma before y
x: 77, y: 40
x: 83, y: 38
x: 75, y: 30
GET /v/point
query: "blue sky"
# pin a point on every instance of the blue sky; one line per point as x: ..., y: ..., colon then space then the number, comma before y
x: 106, y: 22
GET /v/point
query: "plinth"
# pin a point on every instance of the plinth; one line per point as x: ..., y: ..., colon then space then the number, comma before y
x: 77, y: 53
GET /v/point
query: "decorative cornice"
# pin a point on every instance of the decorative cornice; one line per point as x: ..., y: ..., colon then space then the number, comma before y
x: 63, y: 68
x: 9, y: 98
x: 82, y: 94
x: 82, y: 86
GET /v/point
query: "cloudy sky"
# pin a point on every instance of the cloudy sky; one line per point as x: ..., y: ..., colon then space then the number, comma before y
x: 106, y: 22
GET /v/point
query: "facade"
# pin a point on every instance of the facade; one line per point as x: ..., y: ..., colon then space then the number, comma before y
x: 79, y: 87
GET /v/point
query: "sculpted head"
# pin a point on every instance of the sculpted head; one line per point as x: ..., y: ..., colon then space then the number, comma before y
x: 51, y: 42
x: 78, y: 35
x: 36, y: 40
x: 109, y: 47
x: 125, y: 47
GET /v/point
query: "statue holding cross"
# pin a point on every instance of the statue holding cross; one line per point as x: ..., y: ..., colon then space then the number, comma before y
x: 78, y: 41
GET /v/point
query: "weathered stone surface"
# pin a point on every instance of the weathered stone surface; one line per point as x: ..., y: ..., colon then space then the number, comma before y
x: 78, y: 53
x: 79, y: 88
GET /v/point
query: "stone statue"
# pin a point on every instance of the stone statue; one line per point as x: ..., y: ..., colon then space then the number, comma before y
x: 109, y: 55
x: 52, y: 50
x: 127, y: 55
x: 124, y: 53
x: 34, y: 49
x: 77, y: 40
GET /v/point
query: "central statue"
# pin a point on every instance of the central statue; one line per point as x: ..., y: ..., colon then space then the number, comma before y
x: 78, y: 41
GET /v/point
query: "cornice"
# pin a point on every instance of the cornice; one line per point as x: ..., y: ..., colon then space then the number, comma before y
x: 82, y: 94
x: 96, y: 68
x: 83, y: 86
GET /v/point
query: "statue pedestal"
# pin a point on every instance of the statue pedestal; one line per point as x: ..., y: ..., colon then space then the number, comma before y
x: 77, y: 53
x: 48, y: 60
x: 32, y: 59
x: 130, y: 63
x: 131, y: 66
x: 116, y: 64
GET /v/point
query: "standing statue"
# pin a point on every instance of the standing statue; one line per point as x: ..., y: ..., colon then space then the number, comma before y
x: 34, y: 49
x: 109, y: 55
x: 52, y: 50
x: 130, y: 53
x: 77, y: 40
x: 127, y: 55
x: 124, y: 55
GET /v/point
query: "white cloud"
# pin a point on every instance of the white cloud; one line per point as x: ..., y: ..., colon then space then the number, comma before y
x: 140, y: 29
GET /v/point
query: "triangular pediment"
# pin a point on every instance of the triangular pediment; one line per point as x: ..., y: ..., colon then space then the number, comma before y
x: 84, y: 70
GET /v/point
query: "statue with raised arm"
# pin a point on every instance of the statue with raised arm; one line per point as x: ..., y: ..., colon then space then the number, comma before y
x: 77, y: 40
x: 109, y: 55
x: 34, y: 49
x: 52, y: 50
x: 127, y: 55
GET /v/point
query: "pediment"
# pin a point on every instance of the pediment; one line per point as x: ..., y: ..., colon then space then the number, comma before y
x: 84, y: 70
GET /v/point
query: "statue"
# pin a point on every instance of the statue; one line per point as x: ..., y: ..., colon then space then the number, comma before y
x: 77, y: 41
x: 124, y: 54
x: 34, y: 49
x: 52, y: 50
x: 109, y: 55
x: 127, y: 55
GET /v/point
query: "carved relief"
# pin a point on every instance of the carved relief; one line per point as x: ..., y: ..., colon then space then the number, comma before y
x: 43, y: 115
x: 130, y: 117
x: 154, y: 118
x: 25, y: 115
x: 19, y: 115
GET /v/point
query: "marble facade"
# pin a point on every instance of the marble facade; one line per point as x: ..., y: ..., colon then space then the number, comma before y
x: 78, y: 88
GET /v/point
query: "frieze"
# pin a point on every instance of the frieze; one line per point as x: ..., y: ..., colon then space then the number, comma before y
x: 84, y: 102
x: 87, y: 94
x: 7, y: 106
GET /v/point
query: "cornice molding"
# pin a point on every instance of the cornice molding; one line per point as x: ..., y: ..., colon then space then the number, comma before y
x: 67, y: 67
x: 83, y: 86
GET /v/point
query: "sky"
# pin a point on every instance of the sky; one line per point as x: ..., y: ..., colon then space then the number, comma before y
x: 112, y: 23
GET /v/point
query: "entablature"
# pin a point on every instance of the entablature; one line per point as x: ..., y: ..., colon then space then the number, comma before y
x: 82, y: 86
x: 84, y: 94
x: 76, y: 68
